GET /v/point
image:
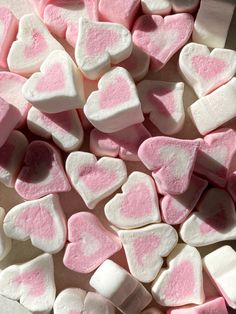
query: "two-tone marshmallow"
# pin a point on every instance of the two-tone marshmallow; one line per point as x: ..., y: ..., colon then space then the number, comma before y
x: 182, y: 282
x: 8, y: 306
x: 137, y: 206
x: 5, y: 242
x: 164, y: 7
x: 145, y: 247
x: 99, y: 45
x: 90, y: 244
x: 42, y: 221
x: 32, y: 283
x: 115, y: 105
x: 163, y: 101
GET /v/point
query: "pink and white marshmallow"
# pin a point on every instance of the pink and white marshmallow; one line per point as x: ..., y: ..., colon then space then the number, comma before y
x: 11, y: 157
x: 64, y: 128
x: 214, y: 220
x: 42, y: 221
x: 137, y: 205
x: 72, y: 300
x: 181, y: 283
x: 145, y: 248
x: 164, y: 7
x: 5, y: 241
x: 123, y: 144
x: 205, y: 71
x: 162, y: 37
x: 116, y: 105
x: 57, y: 87
x: 211, y: 111
x: 176, y: 208
x: 171, y: 161
x: 34, y: 43
x: 90, y: 244
x: 32, y: 283
x: 163, y: 102
x: 8, y: 31
x: 95, y: 179
x: 221, y: 266
x: 61, y: 17
x: 99, y: 45
x: 43, y: 172
x: 8, y: 306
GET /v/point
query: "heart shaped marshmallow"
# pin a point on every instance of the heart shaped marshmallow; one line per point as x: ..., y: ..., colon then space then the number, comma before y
x: 90, y: 244
x: 171, y: 161
x: 215, y: 154
x: 117, y: 144
x: 214, y: 221
x: 34, y: 43
x: 115, y: 105
x: 12, y: 306
x: 95, y: 180
x: 182, y: 282
x: 43, y: 172
x: 163, y: 101
x: 64, y: 128
x: 42, y: 221
x: 145, y: 247
x: 176, y: 208
x: 8, y: 31
x: 99, y: 44
x: 62, y: 18
x: 5, y: 242
x: 32, y: 283
x: 162, y: 37
x: 204, y: 70
x: 137, y: 206
x: 58, y: 87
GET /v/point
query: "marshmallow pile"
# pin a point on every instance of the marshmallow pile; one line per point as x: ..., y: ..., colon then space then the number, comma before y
x: 118, y: 137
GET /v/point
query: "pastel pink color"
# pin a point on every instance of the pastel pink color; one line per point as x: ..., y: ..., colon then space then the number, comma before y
x: 90, y: 244
x: 37, y: 46
x: 145, y: 246
x: 8, y: 31
x: 53, y: 80
x: 216, y: 222
x: 43, y: 172
x: 163, y: 100
x: 118, y: 143
x: 118, y: 11
x: 176, y: 208
x: 162, y: 37
x: 39, y: 5
x: 231, y: 186
x: 171, y: 161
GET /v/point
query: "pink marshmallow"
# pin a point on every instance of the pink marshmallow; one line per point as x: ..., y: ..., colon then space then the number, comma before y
x: 39, y: 5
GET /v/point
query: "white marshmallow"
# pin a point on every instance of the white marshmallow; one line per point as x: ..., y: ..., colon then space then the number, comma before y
x: 58, y: 87
x: 32, y: 283
x: 5, y: 242
x: 115, y: 105
x: 221, y: 266
x: 188, y: 6
x: 160, y: 7
x: 212, y: 23
x: 163, y: 101
x: 211, y: 111
x: 42, y: 221
x: 8, y: 306
x: 19, y: 8
x: 99, y: 45
x: 97, y: 304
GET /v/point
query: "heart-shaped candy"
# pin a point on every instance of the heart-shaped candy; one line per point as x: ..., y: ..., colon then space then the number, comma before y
x: 32, y: 283
x: 43, y: 172
x: 95, y: 180
x: 162, y: 37
x: 42, y: 221
x: 8, y: 31
x: 58, y: 87
x: 99, y: 44
x: 5, y: 242
x: 90, y: 244
x: 62, y: 18
x: 115, y: 105
x: 34, y: 43
x: 137, y: 206
x: 118, y: 144
x: 176, y: 208
x: 214, y: 220
x: 145, y: 247
x: 215, y: 154
x: 64, y: 128
x: 204, y: 70
x: 171, y: 161
x: 182, y: 282
x: 11, y: 306
x: 163, y: 101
